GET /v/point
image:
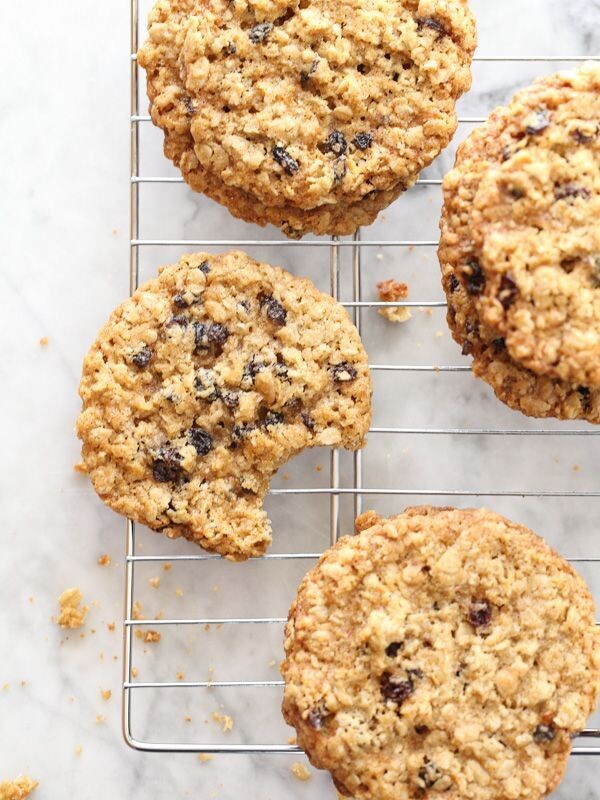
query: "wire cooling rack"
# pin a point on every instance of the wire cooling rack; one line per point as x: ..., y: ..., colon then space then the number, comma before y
x: 343, y: 483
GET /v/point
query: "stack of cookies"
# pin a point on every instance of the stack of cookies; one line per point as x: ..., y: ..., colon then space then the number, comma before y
x: 520, y: 248
x: 310, y: 116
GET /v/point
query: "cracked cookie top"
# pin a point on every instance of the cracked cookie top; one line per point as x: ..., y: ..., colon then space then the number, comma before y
x: 309, y: 102
x: 204, y: 382
x: 441, y: 652
x: 520, y: 226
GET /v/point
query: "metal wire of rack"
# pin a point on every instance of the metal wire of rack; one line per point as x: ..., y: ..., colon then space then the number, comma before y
x: 334, y: 491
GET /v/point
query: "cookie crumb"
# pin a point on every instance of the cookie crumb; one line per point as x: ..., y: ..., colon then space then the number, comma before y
x: 300, y: 771
x: 179, y: 592
x: 167, y: 567
x: 110, y: 626
x: 151, y: 637
x: 18, y: 789
x: 223, y: 720
x: 106, y: 694
x: 138, y: 610
x: 100, y: 718
x: 80, y: 468
x: 389, y: 291
x: 576, y: 468
x: 71, y: 614
x: 204, y: 758
x: 134, y: 672
x: 180, y: 676
x: 78, y: 750
x: 104, y: 561
x: 44, y: 341
x: 187, y: 718
x: 154, y: 582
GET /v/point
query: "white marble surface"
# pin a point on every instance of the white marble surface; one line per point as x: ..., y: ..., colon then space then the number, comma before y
x: 64, y: 221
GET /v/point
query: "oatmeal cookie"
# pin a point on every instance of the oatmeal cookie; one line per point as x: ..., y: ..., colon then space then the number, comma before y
x: 18, y: 789
x: 520, y: 245
x: 441, y: 652
x: 302, y: 107
x: 204, y: 383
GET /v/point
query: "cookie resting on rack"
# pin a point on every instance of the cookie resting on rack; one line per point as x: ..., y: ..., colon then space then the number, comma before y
x: 442, y: 652
x: 204, y: 382
x: 520, y: 247
x: 309, y: 115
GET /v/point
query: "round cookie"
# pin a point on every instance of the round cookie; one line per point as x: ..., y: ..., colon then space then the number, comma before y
x: 204, y: 382
x: 306, y: 105
x: 467, y: 285
x: 519, y: 388
x: 441, y: 652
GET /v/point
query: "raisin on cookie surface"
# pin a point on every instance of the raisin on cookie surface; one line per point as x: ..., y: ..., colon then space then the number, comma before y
x: 204, y: 382
x: 306, y: 106
x: 442, y: 651
x: 519, y: 247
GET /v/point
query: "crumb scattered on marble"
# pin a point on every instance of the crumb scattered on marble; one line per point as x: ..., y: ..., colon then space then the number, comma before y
x: 225, y: 721
x: 215, y: 588
x: 110, y: 626
x: 300, y: 771
x: 72, y: 613
x: 180, y: 676
x: 138, y: 611
x: 319, y: 468
x: 204, y: 758
x: 18, y: 789
x: 106, y: 694
x: 187, y: 718
x: 154, y: 582
x: 576, y: 468
x: 285, y: 476
x: 80, y: 468
x: 31, y: 599
x: 390, y: 291
x: 151, y: 637
x: 100, y: 718
x: 44, y: 341
x: 167, y: 567
x: 104, y: 561
x: 179, y: 592
x: 78, y: 750
x: 207, y: 627
x: 134, y: 672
